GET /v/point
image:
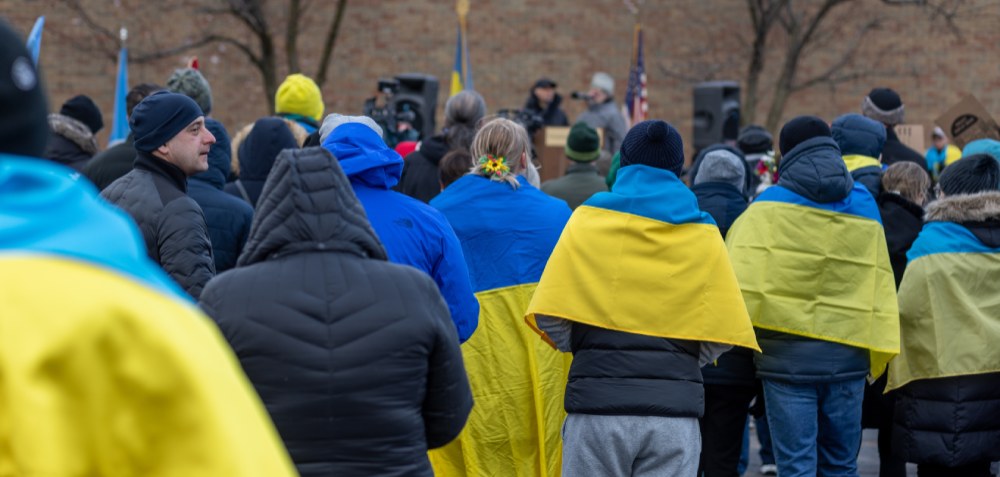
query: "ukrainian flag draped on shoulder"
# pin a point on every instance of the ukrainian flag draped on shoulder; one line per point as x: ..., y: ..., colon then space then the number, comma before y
x: 949, y: 300
x: 644, y: 259
x: 818, y: 270
x: 518, y: 382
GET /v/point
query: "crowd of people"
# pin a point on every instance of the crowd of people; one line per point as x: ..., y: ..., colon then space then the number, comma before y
x: 302, y: 299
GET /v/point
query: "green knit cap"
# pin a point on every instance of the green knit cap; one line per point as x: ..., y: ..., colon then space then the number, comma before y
x: 583, y: 143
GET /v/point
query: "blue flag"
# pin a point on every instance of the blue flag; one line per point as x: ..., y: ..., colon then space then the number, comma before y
x: 119, y: 123
x: 34, y: 43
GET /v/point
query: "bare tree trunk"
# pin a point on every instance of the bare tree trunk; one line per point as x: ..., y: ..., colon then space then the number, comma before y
x: 763, y: 14
x: 331, y: 39
x: 292, y: 36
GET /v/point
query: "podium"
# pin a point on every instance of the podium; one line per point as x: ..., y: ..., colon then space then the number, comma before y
x: 550, y: 150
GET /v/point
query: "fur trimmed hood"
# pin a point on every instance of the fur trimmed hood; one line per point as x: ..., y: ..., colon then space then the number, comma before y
x: 981, y: 207
x: 75, y: 131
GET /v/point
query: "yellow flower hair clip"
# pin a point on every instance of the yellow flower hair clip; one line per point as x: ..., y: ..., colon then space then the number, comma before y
x: 493, y: 165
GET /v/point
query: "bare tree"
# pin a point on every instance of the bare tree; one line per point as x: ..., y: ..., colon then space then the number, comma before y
x: 254, y: 17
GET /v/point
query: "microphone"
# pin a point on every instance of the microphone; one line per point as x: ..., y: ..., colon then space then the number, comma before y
x: 580, y: 95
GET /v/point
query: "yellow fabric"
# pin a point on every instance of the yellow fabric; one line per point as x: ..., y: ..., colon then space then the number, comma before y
x: 949, y: 304
x: 518, y: 384
x: 635, y: 274
x: 299, y: 94
x: 456, y: 83
x: 855, y: 162
x: 951, y: 154
x: 100, y: 376
x: 818, y: 274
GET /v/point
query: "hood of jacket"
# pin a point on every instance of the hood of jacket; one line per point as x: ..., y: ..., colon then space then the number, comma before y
x: 748, y: 190
x: 980, y: 213
x: 364, y: 156
x: 75, y: 131
x: 815, y: 170
x: 308, y: 205
x: 858, y: 135
x: 219, y: 156
x: 259, y: 149
x: 433, y: 149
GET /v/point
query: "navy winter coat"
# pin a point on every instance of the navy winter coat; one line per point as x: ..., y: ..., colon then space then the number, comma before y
x: 413, y: 233
x: 354, y: 357
x: 857, y: 135
x: 815, y: 170
x: 227, y: 217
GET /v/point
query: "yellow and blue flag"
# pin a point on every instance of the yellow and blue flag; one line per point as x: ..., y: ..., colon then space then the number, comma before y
x: 461, y: 73
x: 644, y: 259
x: 34, y: 42
x: 518, y: 382
x: 818, y: 270
x: 949, y: 302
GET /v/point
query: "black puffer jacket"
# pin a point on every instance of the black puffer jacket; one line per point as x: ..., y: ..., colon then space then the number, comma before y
x: 172, y: 224
x: 552, y: 114
x: 815, y: 170
x: 902, y: 221
x: 111, y: 164
x: 421, y: 178
x: 615, y: 373
x: 355, y: 358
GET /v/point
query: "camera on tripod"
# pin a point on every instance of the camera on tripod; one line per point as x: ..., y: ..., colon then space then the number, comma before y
x: 530, y: 120
x: 397, y: 120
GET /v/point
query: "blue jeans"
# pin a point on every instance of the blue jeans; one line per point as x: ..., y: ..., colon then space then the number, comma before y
x: 815, y: 428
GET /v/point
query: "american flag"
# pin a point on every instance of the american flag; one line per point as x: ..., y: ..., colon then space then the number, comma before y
x: 635, y: 96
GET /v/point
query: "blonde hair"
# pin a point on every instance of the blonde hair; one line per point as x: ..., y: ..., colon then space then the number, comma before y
x: 908, y: 180
x: 501, y: 138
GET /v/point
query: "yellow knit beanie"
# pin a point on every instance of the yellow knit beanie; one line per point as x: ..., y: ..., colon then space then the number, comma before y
x: 298, y: 94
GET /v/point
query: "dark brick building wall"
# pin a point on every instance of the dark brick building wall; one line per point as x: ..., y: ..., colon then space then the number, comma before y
x: 514, y: 42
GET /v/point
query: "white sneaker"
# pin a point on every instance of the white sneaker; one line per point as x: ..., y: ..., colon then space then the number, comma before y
x: 769, y: 469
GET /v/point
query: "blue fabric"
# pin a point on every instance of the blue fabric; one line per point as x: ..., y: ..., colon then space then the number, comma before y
x: 227, y: 217
x: 722, y: 201
x: 983, y: 146
x: 413, y: 233
x: 764, y: 437
x: 858, y: 135
x: 364, y: 156
x: 815, y: 428
x: 653, y: 193
x: 859, y: 202
x: 946, y: 237
x: 815, y: 169
x: 507, y: 234
x: 47, y: 209
x: 935, y: 158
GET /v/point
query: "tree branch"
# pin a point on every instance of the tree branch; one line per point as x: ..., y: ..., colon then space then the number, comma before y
x: 331, y: 39
x: 292, y: 36
x: 830, y: 74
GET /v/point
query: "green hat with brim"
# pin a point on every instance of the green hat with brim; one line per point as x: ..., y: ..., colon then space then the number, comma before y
x: 583, y: 144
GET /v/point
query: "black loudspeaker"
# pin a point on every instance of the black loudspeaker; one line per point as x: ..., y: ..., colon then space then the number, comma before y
x: 716, y: 112
x: 417, y: 93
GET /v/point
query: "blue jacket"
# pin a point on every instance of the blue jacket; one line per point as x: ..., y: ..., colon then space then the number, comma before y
x: 227, y: 217
x: 815, y: 170
x: 412, y: 232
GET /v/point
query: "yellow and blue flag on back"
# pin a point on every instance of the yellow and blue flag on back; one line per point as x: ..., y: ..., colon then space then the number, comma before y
x: 644, y: 259
x: 818, y: 270
x: 518, y: 382
x: 461, y: 73
x: 949, y: 302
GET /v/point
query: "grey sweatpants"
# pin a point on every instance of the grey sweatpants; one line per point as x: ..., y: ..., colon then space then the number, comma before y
x: 622, y: 446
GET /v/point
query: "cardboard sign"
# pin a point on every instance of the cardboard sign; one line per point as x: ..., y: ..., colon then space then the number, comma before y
x: 968, y: 121
x: 912, y: 135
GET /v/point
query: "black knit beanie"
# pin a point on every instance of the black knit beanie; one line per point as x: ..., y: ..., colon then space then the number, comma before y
x: 83, y: 109
x: 883, y: 105
x: 159, y: 117
x: 24, y: 124
x: 653, y: 143
x: 755, y: 139
x: 971, y: 174
x: 801, y: 129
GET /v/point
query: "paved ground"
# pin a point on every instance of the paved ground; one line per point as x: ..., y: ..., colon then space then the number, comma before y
x: 867, y: 460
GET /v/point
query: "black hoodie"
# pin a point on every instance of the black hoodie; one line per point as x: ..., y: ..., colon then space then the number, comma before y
x: 268, y: 137
x: 421, y: 178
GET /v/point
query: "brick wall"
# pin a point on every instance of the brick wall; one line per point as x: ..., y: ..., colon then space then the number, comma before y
x: 514, y: 42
